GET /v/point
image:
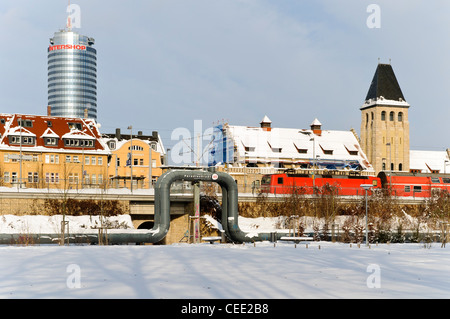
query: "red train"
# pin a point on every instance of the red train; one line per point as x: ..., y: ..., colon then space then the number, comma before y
x: 400, y: 184
x: 415, y: 184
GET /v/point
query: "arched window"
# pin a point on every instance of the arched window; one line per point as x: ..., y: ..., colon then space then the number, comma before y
x: 400, y: 167
x: 400, y: 116
x: 383, y: 116
x: 391, y: 116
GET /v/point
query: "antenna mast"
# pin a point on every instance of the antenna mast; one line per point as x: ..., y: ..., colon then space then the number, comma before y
x: 69, y: 19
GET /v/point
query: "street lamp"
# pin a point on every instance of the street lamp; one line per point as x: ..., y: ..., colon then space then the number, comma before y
x: 131, y: 156
x: 390, y: 157
x: 312, y: 139
x: 366, y: 188
x: 20, y: 153
x: 314, y: 162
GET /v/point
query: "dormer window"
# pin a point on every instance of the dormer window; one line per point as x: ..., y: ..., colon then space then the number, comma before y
x: 26, y: 140
x: 112, y: 145
x: 274, y: 147
x: 75, y: 126
x: 81, y: 143
x: 327, y: 149
x: 50, y: 141
x: 25, y: 123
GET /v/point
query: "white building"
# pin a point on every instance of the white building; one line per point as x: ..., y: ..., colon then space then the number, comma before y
x: 267, y: 146
x: 430, y: 161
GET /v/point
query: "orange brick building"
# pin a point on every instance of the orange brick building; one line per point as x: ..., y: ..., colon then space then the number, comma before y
x: 130, y: 162
x: 51, y: 152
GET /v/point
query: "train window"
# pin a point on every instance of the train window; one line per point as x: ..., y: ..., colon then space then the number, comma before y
x: 445, y: 180
x: 280, y: 180
x: 265, y: 180
x: 435, y: 180
x: 407, y: 188
x: 417, y: 189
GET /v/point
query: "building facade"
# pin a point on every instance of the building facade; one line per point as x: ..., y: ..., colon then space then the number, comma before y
x: 51, y: 152
x: 72, y: 75
x: 384, y: 123
x: 265, y: 146
x: 136, y: 159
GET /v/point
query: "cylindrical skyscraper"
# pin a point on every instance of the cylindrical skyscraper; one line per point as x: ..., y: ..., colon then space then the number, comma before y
x: 72, y: 75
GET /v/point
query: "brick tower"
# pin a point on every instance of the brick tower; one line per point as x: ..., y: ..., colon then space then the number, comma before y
x: 384, y: 123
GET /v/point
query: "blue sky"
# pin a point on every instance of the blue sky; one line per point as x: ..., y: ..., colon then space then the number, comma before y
x: 162, y: 64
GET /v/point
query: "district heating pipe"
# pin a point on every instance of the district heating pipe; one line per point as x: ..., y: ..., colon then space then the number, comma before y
x: 162, y: 215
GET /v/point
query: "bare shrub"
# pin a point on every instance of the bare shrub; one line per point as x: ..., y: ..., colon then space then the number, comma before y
x: 80, y: 207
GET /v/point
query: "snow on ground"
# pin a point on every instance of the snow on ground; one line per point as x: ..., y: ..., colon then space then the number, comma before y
x: 40, y: 224
x: 226, y: 271
x: 223, y: 271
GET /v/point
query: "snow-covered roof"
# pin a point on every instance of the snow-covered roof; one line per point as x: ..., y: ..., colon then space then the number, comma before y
x: 49, y: 133
x: 49, y: 126
x: 316, y: 122
x: 120, y: 142
x: 266, y: 119
x: 78, y: 134
x: 20, y: 130
x: 425, y: 161
x: 382, y: 101
x: 296, y: 145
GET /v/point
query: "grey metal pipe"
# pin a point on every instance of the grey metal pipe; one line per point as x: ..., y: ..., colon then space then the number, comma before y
x: 230, y: 194
x: 162, y: 214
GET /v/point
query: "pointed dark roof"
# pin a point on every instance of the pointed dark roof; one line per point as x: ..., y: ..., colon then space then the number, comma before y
x: 384, y: 83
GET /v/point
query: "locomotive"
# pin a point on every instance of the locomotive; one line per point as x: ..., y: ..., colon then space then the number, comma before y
x: 401, y: 184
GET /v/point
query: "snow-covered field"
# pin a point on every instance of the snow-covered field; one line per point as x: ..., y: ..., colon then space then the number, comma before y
x: 224, y: 271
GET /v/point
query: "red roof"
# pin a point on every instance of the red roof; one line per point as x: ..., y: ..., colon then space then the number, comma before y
x: 50, y: 126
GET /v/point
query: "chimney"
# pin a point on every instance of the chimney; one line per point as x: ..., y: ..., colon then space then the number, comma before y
x: 49, y: 110
x: 85, y: 113
x: 266, y: 124
x: 118, y: 136
x: 316, y: 127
